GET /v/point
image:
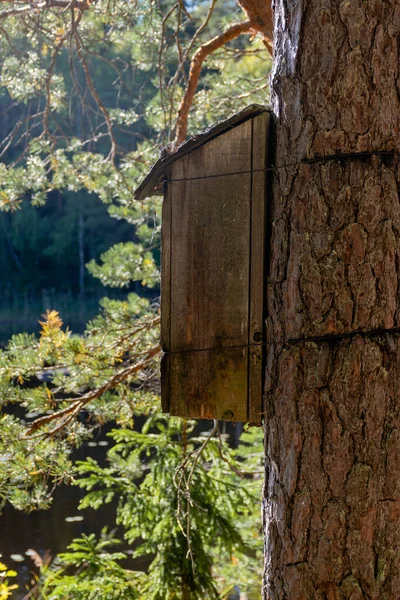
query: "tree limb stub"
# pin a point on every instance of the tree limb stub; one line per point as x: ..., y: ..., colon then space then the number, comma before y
x: 259, y: 13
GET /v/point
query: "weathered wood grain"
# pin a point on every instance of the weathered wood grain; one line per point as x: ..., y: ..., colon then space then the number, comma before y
x: 209, y: 384
x: 214, y: 246
x: 257, y: 265
x: 211, y: 245
x: 210, y: 277
x: 166, y: 288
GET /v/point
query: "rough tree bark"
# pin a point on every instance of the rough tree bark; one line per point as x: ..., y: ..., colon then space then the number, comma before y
x: 332, y: 496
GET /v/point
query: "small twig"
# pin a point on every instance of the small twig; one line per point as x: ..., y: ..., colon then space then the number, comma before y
x: 184, y: 490
x: 34, y: 7
x: 160, y: 59
x: 98, y: 100
x: 49, y: 76
x: 199, y: 452
x: 200, y: 29
x: 222, y: 457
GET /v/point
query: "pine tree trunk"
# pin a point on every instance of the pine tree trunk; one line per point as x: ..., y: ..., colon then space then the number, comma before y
x: 332, y: 498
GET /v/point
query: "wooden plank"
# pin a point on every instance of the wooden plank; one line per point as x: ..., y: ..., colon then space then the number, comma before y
x: 166, y: 240
x: 212, y: 298
x: 209, y: 384
x: 165, y: 307
x: 210, y: 270
x: 257, y: 267
x: 225, y: 154
x: 211, y: 244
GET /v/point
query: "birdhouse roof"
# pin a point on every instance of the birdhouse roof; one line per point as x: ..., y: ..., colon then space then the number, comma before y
x: 152, y: 184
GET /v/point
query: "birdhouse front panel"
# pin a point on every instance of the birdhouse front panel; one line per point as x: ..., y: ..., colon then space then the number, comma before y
x: 212, y: 289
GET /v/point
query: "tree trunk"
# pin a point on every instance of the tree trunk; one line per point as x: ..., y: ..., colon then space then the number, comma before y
x: 332, y: 494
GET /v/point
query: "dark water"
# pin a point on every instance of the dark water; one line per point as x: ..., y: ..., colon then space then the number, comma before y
x: 22, y: 312
x: 48, y: 531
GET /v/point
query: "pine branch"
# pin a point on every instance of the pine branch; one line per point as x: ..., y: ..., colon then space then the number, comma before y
x: 68, y: 413
x: 34, y: 7
x: 195, y: 68
x: 96, y: 97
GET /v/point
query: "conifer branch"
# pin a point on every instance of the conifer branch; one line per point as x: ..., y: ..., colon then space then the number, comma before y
x: 78, y: 404
x: 195, y: 69
x: 35, y: 7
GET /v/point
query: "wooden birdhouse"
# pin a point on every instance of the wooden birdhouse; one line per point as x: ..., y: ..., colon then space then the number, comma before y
x: 213, y: 263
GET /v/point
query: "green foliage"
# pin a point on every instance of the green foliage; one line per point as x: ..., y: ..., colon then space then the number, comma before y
x: 30, y: 468
x: 88, y: 571
x: 199, y: 539
x: 111, y: 89
x: 36, y: 242
x: 125, y: 263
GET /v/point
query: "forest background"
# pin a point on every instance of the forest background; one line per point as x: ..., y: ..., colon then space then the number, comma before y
x: 90, y: 93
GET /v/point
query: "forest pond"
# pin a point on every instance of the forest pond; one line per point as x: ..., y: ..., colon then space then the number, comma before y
x: 48, y: 532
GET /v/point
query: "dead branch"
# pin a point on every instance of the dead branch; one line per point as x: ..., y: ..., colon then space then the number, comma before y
x: 160, y: 59
x: 50, y: 71
x: 200, y: 28
x: 49, y: 77
x: 182, y: 482
x: 98, y: 100
x: 182, y: 59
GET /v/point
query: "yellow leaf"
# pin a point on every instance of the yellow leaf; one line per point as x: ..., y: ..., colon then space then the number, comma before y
x: 60, y: 33
x: 52, y: 322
